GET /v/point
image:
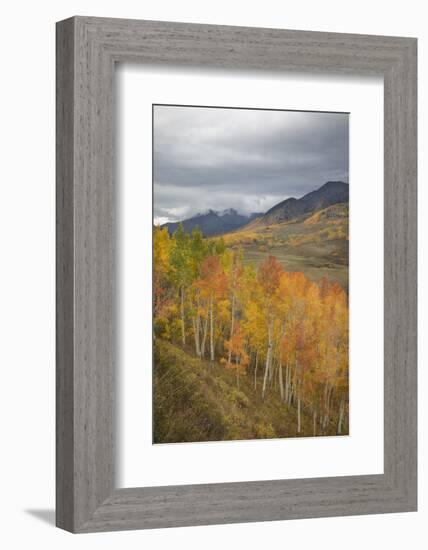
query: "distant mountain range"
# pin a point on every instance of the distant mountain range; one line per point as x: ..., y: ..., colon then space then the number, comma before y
x: 332, y: 192
x: 217, y: 223
x: 214, y: 223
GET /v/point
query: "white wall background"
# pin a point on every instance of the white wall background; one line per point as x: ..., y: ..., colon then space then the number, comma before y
x: 27, y: 272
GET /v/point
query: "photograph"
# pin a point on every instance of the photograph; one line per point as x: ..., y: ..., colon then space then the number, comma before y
x: 250, y: 274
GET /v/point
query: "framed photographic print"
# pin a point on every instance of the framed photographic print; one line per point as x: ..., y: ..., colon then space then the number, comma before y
x: 258, y: 279
x: 236, y: 274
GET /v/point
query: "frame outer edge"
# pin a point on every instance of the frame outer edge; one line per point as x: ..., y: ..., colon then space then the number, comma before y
x: 94, y: 276
x: 65, y: 108
x: 400, y: 315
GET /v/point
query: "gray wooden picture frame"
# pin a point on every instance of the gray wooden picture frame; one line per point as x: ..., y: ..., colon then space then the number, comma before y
x: 87, y: 50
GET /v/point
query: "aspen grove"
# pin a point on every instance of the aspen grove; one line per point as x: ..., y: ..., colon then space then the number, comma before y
x: 285, y: 333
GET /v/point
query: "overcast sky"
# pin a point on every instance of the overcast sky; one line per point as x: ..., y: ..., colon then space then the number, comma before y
x: 211, y: 158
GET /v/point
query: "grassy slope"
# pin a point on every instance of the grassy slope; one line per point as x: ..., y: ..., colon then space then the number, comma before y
x: 195, y: 400
x: 317, y: 244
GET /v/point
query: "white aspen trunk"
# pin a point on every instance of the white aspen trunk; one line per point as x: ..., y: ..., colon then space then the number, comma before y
x: 183, y: 329
x: 315, y: 423
x: 272, y: 371
x: 265, y: 377
x: 268, y: 359
x: 204, y: 337
x: 255, y: 369
x: 294, y: 389
x: 326, y: 390
x: 232, y: 322
x: 291, y: 391
x: 298, y: 414
x: 212, y: 329
x: 341, y: 411
x: 327, y: 406
x: 281, y: 382
x: 196, y: 333
x: 272, y: 368
x: 280, y: 374
x: 287, y: 383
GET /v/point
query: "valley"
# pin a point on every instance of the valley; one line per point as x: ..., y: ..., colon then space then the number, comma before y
x: 308, y: 235
x: 317, y: 244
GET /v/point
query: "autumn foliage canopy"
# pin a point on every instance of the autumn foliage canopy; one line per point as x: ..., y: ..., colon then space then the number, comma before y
x: 290, y: 334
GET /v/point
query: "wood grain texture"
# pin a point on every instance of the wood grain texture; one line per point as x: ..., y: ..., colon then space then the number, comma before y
x: 64, y: 276
x: 87, y: 49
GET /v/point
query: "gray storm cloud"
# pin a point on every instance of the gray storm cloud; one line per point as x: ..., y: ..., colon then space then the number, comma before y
x: 241, y: 158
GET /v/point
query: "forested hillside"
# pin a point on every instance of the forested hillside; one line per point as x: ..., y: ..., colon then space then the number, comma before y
x: 244, y: 350
x: 198, y: 400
